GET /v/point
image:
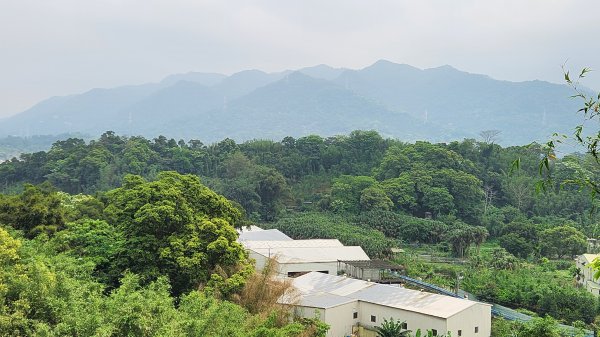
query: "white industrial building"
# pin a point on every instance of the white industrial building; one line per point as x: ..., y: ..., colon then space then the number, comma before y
x: 354, y: 307
x: 586, y: 273
x: 298, y: 257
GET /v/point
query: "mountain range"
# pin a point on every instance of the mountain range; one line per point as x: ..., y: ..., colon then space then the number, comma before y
x: 398, y: 100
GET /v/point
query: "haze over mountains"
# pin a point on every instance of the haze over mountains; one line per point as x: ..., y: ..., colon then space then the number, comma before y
x: 398, y: 100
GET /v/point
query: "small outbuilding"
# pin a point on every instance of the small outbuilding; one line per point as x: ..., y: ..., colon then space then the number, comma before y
x: 371, y: 270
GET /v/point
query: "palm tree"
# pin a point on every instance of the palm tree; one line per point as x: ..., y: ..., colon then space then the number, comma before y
x: 392, y: 328
x: 479, y: 234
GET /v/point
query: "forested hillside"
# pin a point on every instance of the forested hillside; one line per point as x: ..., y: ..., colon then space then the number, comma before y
x: 470, y: 181
x: 361, y: 188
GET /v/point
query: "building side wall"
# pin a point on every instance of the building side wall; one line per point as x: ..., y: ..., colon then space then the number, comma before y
x: 284, y: 268
x: 261, y: 260
x: 340, y: 319
x: 479, y: 315
x: 413, y: 320
x: 587, y: 277
x: 342, y: 322
x: 309, y: 312
x: 370, y: 275
x: 360, y: 273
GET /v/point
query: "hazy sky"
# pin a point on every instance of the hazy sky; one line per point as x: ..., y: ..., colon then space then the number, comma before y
x: 58, y: 47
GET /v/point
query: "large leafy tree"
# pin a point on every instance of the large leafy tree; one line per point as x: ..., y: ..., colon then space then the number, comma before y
x: 346, y: 192
x: 177, y: 226
x: 562, y: 241
x: 259, y: 189
x: 37, y: 210
x: 374, y: 198
x: 93, y: 241
x: 520, y: 238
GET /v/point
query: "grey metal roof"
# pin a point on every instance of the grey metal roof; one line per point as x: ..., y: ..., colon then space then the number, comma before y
x: 318, y: 288
x: 263, y: 235
x: 312, y: 254
x: 323, y: 300
x: 293, y: 243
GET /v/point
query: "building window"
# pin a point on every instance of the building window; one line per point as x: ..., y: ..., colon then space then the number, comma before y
x: 434, y: 332
x: 476, y: 329
x: 355, y: 315
x: 293, y: 274
x: 404, y: 326
x: 373, y: 318
x: 460, y: 332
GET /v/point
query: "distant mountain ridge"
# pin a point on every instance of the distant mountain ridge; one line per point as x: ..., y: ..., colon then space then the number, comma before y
x: 398, y: 100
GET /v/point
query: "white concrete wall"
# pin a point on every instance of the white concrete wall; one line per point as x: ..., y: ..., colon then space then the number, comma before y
x: 413, y: 320
x: 309, y: 312
x: 340, y: 318
x: 260, y: 259
x: 478, y: 315
x: 284, y: 268
x: 587, y: 278
x: 341, y: 321
x: 338, y: 326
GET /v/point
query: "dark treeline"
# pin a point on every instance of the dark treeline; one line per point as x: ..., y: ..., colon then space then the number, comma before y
x: 460, y: 184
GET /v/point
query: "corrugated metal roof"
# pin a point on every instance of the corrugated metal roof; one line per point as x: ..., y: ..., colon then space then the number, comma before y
x: 342, y: 286
x: 293, y: 243
x: 316, y: 285
x: 263, y: 235
x: 250, y: 228
x: 323, y: 300
x: 313, y: 254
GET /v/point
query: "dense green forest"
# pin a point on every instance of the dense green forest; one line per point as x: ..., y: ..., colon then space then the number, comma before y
x: 130, y: 264
x: 467, y: 182
x: 79, y: 201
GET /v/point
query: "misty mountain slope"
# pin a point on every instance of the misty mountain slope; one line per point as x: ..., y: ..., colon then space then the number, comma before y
x: 206, y: 79
x: 323, y: 71
x: 244, y: 82
x: 398, y: 100
x: 523, y: 111
x: 97, y: 109
x: 183, y: 100
x: 298, y: 105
